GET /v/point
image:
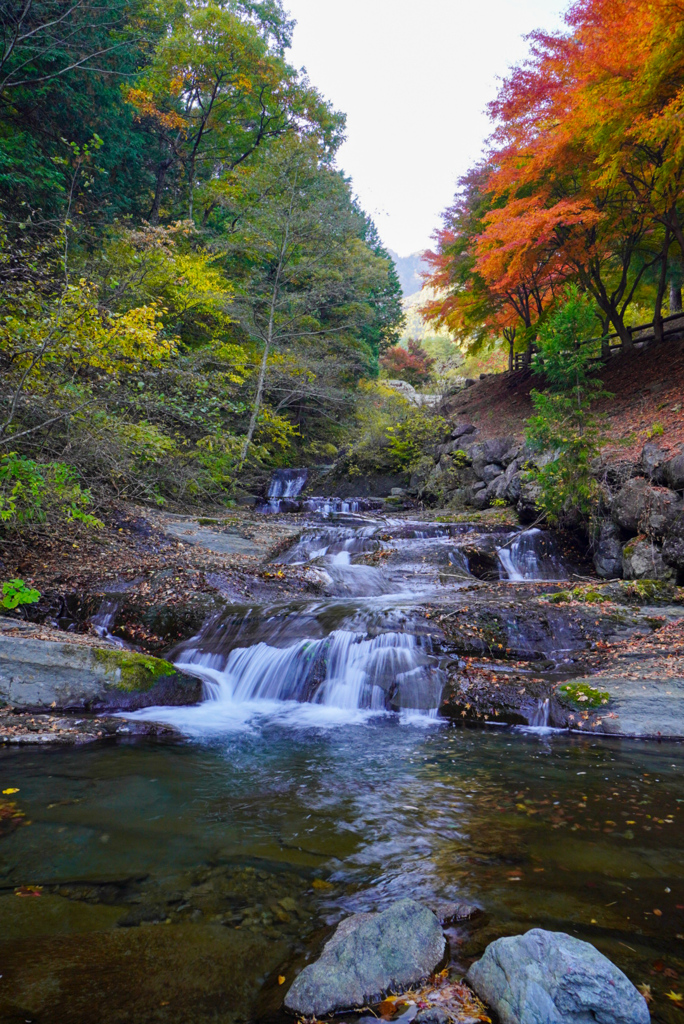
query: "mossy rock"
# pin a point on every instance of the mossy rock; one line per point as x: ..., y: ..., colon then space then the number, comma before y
x: 582, y: 695
x: 139, y: 672
x: 644, y: 592
x: 587, y: 595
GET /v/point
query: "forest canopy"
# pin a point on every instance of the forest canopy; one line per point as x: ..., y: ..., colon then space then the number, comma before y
x: 190, y: 291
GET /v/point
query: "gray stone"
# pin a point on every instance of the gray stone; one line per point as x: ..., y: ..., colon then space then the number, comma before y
x: 447, y: 912
x: 42, y: 675
x: 368, y: 955
x: 530, y: 493
x: 552, y: 978
x: 673, y: 472
x: 641, y: 507
x: 642, y: 559
x: 491, y: 471
x: 512, y: 453
x: 463, y: 430
x: 608, y: 553
x: 432, y: 1015
x: 673, y: 543
x: 468, y: 382
x: 651, y: 462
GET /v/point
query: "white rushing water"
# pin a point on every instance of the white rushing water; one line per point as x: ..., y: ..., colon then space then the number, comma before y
x: 361, y: 650
x: 530, y: 556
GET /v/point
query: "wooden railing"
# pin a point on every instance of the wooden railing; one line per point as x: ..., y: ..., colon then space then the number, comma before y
x: 641, y: 336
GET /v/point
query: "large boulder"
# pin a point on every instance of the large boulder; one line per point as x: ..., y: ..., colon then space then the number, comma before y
x: 463, y: 430
x: 40, y: 675
x: 642, y: 559
x: 673, y: 543
x: 368, y: 955
x: 482, y: 453
x: 530, y: 494
x: 608, y: 551
x: 673, y: 471
x: 641, y: 507
x: 652, y: 460
x: 552, y: 978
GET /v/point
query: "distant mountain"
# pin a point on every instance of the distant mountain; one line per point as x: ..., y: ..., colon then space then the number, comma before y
x: 409, y: 269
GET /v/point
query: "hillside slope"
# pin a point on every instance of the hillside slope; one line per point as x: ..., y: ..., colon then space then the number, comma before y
x: 647, y: 388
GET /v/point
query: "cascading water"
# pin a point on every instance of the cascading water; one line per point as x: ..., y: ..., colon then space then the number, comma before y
x: 285, y: 485
x: 530, y: 555
x: 105, y: 619
x: 344, y: 670
x: 364, y: 648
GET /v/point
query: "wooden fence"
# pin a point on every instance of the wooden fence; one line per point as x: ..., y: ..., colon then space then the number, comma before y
x: 641, y: 337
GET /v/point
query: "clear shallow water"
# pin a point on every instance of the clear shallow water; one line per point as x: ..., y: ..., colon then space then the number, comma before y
x: 180, y: 880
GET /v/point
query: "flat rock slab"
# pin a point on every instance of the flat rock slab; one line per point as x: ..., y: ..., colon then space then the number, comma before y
x: 369, y: 955
x: 552, y: 978
x: 25, y: 729
x: 646, y: 696
x: 229, y: 542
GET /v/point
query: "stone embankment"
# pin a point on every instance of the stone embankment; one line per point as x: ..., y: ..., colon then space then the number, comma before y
x: 640, y: 530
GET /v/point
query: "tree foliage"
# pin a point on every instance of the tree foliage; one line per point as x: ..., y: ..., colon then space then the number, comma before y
x: 583, y: 182
x: 167, y: 190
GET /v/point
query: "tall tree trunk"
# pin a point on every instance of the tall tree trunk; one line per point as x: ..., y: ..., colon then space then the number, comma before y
x: 660, y: 293
x: 675, y: 296
x: 270, y: 330
x: 162, y: 171
x: 509, y: 335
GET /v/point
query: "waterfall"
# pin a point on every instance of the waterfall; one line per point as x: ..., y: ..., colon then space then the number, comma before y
x: 287, y: 483
x: 530, y: 556
x: 540, y: 718
x: 105, y: 618
x: 344, y: 670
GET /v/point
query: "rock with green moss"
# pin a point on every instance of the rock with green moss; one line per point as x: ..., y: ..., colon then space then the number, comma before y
x: 40, y: 675
x: 582, y: 695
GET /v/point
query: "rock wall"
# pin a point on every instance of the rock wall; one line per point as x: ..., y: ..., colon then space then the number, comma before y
x: 639, y: 533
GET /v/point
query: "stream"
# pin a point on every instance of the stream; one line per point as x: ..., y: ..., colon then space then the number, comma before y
x: 179, y: 881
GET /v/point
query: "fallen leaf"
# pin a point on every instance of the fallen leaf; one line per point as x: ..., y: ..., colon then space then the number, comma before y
x: 645, y: 991
x: 281, y: 979
x: 7, y: 792
x: 658, y: 913
x: 319, y: 883
x: 675, y: 997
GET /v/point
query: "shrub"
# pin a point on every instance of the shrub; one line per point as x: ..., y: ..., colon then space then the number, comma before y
x: 31, y: 492
x: 15, y: 593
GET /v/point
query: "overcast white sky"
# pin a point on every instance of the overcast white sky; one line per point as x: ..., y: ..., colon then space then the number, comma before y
x: 414, y: 79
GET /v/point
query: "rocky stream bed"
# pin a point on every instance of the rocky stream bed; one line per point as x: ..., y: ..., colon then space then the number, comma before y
x: 297, y: 716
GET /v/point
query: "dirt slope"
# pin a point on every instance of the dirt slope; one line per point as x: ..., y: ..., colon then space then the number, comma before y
x: 647, y: 388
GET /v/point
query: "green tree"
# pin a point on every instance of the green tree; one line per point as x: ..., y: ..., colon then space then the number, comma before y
x: 564, y: 427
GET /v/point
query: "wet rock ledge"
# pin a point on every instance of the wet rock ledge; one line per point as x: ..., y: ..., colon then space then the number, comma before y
x: 45, y: 675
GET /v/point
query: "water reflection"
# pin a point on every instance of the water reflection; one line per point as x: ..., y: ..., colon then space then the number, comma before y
x: 179, y: 881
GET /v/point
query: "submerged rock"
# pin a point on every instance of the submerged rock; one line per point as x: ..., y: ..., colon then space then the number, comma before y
x: 368, y: 955
x: 552, y: 978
